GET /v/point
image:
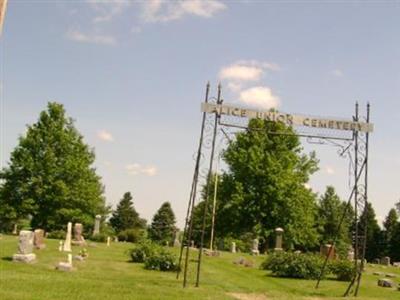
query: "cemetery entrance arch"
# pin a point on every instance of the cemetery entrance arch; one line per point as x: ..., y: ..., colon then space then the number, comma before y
x: 349, y: 136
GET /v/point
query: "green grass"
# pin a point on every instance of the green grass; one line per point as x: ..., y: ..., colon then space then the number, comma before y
x: 108, y: 275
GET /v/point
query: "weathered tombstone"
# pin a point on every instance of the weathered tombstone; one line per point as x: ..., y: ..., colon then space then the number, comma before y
x: 376, y: 261
x: 385, y: 261
x: 25, y: 247
x: 15, y: 229
x: 97, y: 225
x: 67, y: 243
x: 396, y: 264
x: 116, y: 239
x: 192, y: 244
x: 108, y: 241
x: 254, y: 249
x: 383, y: 282
x: 328, y: 250
x: 278, y: 239
x: 233, y: 247
x: 79, y: 240
x: 38, y: 239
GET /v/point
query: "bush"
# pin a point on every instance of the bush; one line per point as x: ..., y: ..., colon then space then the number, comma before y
x: 131, y: 235
x: 292, y: 265
x: 143, y: 250
x: 57, y: 234
x: 161, y: 260
x: 100, y: 237
x: 342, y: 269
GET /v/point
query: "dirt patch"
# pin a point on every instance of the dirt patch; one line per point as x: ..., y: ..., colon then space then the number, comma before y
x: 244, y: 296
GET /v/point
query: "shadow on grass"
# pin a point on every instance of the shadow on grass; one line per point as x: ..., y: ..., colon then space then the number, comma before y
x: 7, y: 258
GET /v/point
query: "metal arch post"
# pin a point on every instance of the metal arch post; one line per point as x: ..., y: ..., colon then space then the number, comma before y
x: 189, y: 220
x: 208, y: 188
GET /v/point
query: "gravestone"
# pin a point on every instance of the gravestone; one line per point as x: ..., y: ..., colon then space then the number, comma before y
x: 97, y: 225
x: 385, y: 261
x: 233, y: 247
x: 396, y: 264
x: 15, y: 229
x: 108, y: 241
x: 65, y: 266
x: 350, y: 254
x: 38, y: 239
x: 328, y: 250
x: 383, y: 282
x: 278, y: 239
x: 60, y: 246
x: 177, y: 243
x: 376, y: 261
x: 79, y: 240
x: 192, y: 244
x: 67, y: 243
x: 25, y: 247
x: 254, y: 249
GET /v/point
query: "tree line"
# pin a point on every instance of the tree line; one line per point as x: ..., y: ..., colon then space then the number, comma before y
x: 50, y: 180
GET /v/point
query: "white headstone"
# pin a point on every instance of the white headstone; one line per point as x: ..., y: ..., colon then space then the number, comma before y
x: 60, y: 246
x: 233, y: 247
x: 254, y: 249
x: 108, y: 241
x: 97, y: 225
x: 70, y: 259
x: 67, y: 243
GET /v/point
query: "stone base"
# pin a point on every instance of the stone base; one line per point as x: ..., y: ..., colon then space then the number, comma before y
x: 255, y: 252
x: 78, y: 243
x: 25, y: 258
x: 278, y: 249
x: 79, y: 258
x: 64, y: 266
x: 385, y: 283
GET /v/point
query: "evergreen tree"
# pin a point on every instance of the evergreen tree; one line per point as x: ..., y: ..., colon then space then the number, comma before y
x: 50, y: 177
x: 162, y: 227
x: 375, y: 239
x: 330, y: 212
x: 125, y: 216
x: 391, y: 225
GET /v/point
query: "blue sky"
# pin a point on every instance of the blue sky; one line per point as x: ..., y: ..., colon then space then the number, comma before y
x: 133, y: 76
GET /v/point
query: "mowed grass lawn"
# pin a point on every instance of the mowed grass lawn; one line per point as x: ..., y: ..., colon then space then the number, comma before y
x: 108, y: 274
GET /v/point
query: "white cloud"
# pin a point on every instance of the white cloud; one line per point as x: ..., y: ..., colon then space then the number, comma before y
x: 246, y: 70
x: 107, y: 10
x: 105, y: 136
x: 100, y: 39
x: 260, y: 97
x: 337, y: 73
x: 329, y: 170
x: 138, y: 169
x: 165, y: 11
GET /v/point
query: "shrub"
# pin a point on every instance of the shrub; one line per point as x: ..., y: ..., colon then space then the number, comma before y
x: 342, y: 269
x: 57, y: 234
x: 99, y: 237
x: 131, y: 235
x: 292, y: 265
x: 143, y: 250
x: 162, y: 260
